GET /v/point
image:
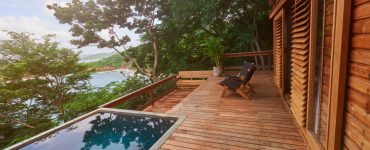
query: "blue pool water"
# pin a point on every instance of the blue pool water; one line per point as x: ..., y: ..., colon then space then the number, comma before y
x: 107, y: 131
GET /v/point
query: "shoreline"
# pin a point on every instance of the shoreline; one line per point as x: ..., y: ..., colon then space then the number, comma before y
x: 126, y: 72
x: 113, y: 70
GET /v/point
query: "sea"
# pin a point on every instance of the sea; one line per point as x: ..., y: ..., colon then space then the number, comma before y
x: 101, y: 79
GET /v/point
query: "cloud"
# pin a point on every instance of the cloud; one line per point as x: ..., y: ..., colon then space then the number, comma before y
x: 49, y: 2
x: 11, y: 4
x: 36, y: 25
x: 34, y: 17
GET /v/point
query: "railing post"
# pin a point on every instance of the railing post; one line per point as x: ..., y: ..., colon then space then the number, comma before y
x: 269, y: 61
x: 150, y: 93
x: 139, y: 92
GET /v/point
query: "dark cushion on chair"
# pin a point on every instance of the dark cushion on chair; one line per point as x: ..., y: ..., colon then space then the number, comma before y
x: 244, y: 76
x: 250, y: 73
x: 232, y: 83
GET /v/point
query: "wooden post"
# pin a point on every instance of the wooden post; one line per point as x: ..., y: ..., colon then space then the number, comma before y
x: 269, y: 61
x: 150, y: 93
x: 337, y: 86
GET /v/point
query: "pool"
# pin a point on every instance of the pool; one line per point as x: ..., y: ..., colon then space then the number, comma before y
x: 107, y: 128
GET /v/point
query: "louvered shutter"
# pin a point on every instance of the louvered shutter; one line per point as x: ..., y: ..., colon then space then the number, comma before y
x: 278, y: 44
x: 300, y: 48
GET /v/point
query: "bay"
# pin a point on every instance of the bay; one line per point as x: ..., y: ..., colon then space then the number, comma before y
x: 101, y: 79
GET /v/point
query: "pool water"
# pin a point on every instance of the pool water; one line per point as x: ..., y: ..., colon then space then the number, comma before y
x: 107, y: 131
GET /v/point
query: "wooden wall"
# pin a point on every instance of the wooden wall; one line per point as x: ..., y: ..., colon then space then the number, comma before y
x: 300, y: 48
x: 357, y: 110
x: 356, y: 124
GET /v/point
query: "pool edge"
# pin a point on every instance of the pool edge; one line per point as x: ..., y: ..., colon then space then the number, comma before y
x: 156, y: 145
x: 169, y: 132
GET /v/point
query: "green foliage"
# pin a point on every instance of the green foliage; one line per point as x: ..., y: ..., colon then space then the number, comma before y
x: 115, y: 61
x: 144, y: 99
x: 93, y: 57
x: 239, y: 22
x: 39, y: 80
x: 40, y: 71
x: 37, y: 77
x: 93, y: 98
x: 215, y: 50
x: 90, y: 19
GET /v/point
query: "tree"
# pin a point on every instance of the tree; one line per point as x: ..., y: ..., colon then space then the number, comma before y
x: 91, y: 20
x: 91, y: 99
x: 38, y: 76
x: 250, y: 14
x: 236, y: 22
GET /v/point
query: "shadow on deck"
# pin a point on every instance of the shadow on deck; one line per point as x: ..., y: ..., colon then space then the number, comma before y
x: 232, y: 122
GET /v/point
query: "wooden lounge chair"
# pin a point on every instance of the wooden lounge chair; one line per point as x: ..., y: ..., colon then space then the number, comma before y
x: 239, y: 83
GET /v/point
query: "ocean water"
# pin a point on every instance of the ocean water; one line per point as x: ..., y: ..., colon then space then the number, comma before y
x: 107, y: 131
x: 100, y: 79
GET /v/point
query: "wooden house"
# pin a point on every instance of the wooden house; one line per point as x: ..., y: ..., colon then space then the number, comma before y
x: 316, y: 96
x: 322, y: 69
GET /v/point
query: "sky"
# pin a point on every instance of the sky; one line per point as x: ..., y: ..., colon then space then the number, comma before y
x: 33, y: 16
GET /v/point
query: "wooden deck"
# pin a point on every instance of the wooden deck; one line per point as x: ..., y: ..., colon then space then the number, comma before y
x: 233, y: 123
x: 169, y: 101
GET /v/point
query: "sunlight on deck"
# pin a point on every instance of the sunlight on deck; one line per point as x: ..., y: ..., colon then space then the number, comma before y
x: 232, y: 122
x: 169, y: 101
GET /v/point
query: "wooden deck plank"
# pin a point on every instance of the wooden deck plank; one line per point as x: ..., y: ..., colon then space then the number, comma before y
x: 169, y: 101
x: 232, y: 122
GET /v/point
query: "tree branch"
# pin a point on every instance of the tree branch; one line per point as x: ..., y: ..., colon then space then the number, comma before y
x: 113, y: 33
x: 131, y: 59
x: 18, y: 122
x: 210, y: 32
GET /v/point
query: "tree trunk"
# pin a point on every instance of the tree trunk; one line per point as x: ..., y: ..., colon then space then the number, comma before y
x: 62, y: 114
x: 253, y: 49
x: 132, y: 60
x: 153, y: 74
x: 256, y: 41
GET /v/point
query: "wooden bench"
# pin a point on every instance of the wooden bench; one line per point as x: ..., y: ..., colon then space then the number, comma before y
x: 192, y: 79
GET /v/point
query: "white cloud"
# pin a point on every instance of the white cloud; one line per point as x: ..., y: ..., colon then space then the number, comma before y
x: 34, y: 25
x: 48, y: 2
x: 11, y: 4
x: 41, y: 22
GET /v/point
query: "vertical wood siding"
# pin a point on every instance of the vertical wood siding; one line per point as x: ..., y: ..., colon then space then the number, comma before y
x: 357, y: 109
x: 300, y: 48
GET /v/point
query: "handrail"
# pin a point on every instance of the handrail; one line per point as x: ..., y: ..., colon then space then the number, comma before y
x: 147, y: 89
x: 247, y: 54
x: 265, y: 63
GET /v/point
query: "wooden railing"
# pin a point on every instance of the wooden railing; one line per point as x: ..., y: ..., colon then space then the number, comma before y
x: 148, y: 94
x: 247, y: 54
x: 267, y: 63
x: 192, y: 79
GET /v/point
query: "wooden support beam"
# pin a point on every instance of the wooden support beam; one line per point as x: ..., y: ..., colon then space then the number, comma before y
x: 338, y: 73
x: 275, y: 9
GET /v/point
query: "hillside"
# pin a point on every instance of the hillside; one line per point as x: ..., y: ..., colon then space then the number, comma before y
x: 95, y: 57
x: 109, y: 63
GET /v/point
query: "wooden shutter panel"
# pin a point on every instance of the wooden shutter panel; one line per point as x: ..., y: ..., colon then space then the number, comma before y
x: 278, y: 40
x: 300, y: 48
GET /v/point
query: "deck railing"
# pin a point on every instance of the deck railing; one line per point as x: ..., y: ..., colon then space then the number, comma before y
x: 148, y: 95
x: 262, y: 59
x: 145, y: 96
